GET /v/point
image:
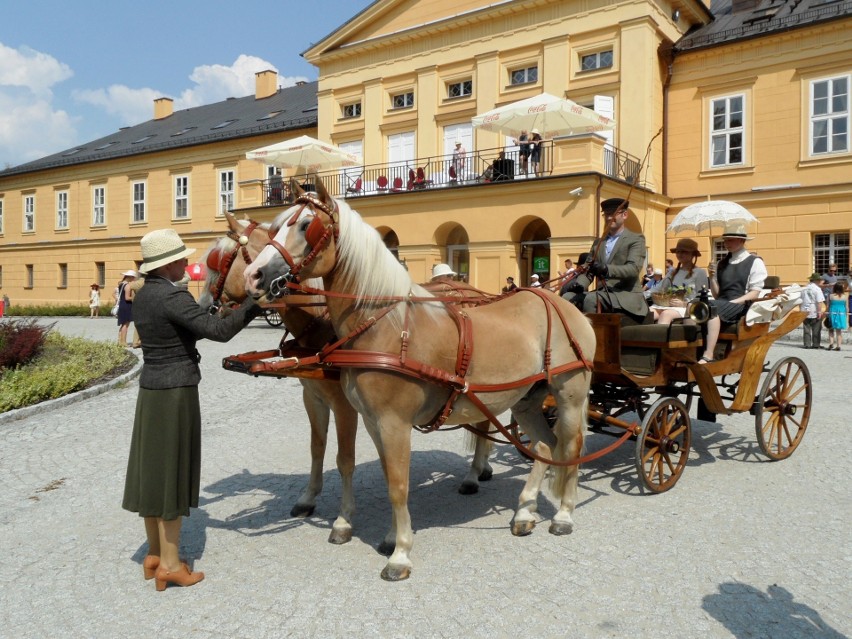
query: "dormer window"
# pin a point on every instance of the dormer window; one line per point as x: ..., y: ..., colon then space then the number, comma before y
x: 184, y: 130
x: 222, y: 125
x: 144, y: 139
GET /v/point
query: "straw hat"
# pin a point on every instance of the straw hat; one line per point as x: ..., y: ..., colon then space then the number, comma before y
x: 442, y: 269
x: 130, y: 273
x: 736, y: 230
x: 162, y: 247
x: 686, y: 244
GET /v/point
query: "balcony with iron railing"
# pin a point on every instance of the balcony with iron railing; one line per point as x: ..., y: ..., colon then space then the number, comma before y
x: 577, y: 154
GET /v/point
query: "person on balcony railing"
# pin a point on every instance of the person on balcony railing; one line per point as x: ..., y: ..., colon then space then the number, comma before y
x: 535, y: 151
x: 459, y: 155
x: 523, y: 151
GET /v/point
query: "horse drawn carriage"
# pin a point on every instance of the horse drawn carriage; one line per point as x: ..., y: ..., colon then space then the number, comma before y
x: 566, y: 367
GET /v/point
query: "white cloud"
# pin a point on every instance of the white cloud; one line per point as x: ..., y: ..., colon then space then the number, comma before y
x: 30, y: 126
x: 31, y: 69
x: 211, y: 83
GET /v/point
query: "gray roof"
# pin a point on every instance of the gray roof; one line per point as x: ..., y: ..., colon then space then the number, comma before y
x: 290, y: 108
x: 767, y: 16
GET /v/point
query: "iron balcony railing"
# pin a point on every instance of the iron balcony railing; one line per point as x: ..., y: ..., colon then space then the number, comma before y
x: 483, y: 166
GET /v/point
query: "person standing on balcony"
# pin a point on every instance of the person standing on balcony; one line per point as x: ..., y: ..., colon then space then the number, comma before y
x: 459, y: 155
x: 535, y: 151
x: 523, y: 151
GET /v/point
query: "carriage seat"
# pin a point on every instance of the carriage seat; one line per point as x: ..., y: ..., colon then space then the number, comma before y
x: 658, y: 335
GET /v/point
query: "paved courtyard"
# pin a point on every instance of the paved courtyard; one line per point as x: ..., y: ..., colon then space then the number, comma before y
x: 741, y: 547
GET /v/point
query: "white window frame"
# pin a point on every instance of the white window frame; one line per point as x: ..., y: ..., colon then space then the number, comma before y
x: 226, y: 184
x: 98, y: 206
x: 834, y: 251
x: 351, y: 110
x: 461, y: 89
x: 1, y: 216
x: 407, y: 100
x: 526, y: 75
x: 181, y: 201
x: 139, y: 196
x: 62, y: 210
x: 719, y: 251
x: 29, y: 214
x: 830, y: 117
x: 727, y: 131
x: 597, y: 58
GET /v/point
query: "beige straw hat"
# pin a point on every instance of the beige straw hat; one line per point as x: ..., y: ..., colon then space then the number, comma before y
x: 162, y: 247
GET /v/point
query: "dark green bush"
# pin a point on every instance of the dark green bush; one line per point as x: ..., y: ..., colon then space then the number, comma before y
x: 53, y: 310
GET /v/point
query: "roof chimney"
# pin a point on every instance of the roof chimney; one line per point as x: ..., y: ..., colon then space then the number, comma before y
x: 163, y: 108
x: 266, y: 84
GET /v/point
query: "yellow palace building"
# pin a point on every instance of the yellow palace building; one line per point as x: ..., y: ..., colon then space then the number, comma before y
x: 746, y: 101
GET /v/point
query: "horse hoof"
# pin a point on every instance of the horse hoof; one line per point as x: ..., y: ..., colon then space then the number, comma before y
x: 386, y: 548
x: 302, y: 510
x: 468, y: 488
x: 522, y: 528
x: 396, y: 573
x: 486, y: 474
x: 561, y: 528
x: 339, y: 537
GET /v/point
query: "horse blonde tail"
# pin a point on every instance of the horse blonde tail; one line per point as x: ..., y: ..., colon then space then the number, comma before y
x: 561, y: 475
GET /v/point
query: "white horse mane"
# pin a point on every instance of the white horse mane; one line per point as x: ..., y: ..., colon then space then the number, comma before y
x: 365, y: 266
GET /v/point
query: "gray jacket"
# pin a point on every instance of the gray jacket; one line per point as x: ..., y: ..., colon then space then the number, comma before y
x: 169, y: 323
x: 625, y: 264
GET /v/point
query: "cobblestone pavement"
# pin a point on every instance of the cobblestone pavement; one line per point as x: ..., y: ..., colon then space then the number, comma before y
x: 740, y: 547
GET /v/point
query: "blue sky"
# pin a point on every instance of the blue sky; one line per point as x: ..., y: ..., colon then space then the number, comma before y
x: 71, y: 72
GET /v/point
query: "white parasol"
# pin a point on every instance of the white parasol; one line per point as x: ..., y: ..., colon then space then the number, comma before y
x: 552, y: 116
x: 306, y: 154
x: 704, y: 215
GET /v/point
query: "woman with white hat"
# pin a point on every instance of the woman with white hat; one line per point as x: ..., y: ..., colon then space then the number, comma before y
x: 164, y: 465
x: 125, y: 308
x: 735, y: 282
x: 442, y: 273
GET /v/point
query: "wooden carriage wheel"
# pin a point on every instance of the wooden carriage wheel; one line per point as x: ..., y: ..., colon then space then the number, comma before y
x: 273, y: 317
x: 782, y: 409
x: 662, y: 446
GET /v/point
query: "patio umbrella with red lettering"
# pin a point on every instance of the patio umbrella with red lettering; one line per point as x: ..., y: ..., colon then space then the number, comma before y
x: 305, y: 154
x: 549, y: 114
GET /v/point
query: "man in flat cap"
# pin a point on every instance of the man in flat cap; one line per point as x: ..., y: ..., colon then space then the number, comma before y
x: 616, y: 263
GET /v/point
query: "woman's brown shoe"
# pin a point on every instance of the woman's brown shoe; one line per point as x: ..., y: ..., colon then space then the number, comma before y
x: 150, y: 565
x: 182, y: 577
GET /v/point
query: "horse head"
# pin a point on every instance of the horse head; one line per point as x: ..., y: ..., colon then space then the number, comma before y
x: 227, y: 259
x: 302, y: 244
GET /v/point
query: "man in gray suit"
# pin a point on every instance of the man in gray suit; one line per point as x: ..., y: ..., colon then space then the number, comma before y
x: 616, y: 263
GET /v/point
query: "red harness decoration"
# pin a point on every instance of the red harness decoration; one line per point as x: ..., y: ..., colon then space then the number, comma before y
x: 221, y: 263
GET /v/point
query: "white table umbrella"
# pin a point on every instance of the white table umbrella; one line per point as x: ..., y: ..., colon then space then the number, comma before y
x: 304, y: 153
x: 552, y: 116
x: 704, y: 215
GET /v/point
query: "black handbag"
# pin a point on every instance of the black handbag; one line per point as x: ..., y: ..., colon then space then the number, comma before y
x: 827, y: 321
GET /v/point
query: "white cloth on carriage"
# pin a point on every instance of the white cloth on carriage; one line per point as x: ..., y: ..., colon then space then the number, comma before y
x: 764, y: 311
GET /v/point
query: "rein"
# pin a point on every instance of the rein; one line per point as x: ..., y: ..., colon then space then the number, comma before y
x: 223, y: 264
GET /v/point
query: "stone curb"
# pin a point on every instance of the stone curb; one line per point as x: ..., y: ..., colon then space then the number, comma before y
x: 41, y: 407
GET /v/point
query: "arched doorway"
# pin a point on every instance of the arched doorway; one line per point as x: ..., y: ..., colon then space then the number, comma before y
x: 392, y: 242
x: 458, y: 255
x: 535, y: 252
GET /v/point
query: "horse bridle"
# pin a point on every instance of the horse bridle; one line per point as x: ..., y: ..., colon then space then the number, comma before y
x: 317, y: 236
x: 221, y: 262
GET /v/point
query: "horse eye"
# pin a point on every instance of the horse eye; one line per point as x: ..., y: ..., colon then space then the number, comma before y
x: 304, y: 224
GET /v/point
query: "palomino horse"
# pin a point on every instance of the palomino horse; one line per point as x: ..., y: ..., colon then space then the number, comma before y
x: 226, y: 262
x: 405, y: 360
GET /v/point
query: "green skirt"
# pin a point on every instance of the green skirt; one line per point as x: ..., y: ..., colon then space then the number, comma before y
x: 164, y: 467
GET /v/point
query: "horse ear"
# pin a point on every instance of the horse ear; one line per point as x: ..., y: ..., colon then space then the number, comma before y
x: 324, y: 197
x: 232, y: 223
x: 296, y: 188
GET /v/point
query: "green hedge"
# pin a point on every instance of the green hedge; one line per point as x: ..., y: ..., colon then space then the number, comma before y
x: 52, y: 310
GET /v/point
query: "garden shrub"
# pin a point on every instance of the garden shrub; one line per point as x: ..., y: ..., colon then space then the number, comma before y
x: 21, y: 341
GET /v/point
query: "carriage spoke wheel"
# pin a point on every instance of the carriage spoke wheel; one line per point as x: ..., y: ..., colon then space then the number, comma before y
x: 273, y: 317
x: 782, y: 409
x: 662, y: 446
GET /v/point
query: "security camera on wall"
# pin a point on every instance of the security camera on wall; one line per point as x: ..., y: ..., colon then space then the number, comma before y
x: 576, y: 192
